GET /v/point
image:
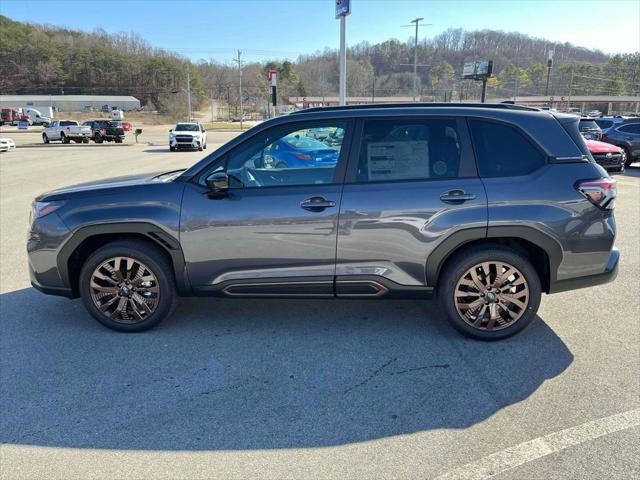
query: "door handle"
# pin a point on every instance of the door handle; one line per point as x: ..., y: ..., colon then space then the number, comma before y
x: 317, y: 204
x: 455, y: 196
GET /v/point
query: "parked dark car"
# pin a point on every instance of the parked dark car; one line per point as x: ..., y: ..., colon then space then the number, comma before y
x: 626, y: 135
x: 105, y: 131
x: 590, y: 129
x: 606, y: 123
x: 484, y: 206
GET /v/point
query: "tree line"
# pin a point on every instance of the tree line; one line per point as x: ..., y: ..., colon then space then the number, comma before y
x: 43, y: 59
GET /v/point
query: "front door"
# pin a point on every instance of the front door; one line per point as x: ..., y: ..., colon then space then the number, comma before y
x: 411, y: 183
x: 275, y: 231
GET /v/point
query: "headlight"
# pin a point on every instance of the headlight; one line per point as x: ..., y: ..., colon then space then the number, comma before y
x: 41, y: 209
x: 172, y: 136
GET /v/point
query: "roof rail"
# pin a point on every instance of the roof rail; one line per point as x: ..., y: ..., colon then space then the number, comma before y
x: 367, y: 106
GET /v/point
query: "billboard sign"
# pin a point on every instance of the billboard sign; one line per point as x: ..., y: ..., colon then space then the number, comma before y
x: 477, y: 69
x: 343, y: 8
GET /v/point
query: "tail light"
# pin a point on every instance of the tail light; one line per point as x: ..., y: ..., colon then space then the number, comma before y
x: 304, y: 156
x: 601, y: 193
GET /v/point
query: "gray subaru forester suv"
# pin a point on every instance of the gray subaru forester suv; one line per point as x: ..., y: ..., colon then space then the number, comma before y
x: 485, y: 206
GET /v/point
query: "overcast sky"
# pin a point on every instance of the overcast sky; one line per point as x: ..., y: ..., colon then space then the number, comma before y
x: 287, y: 28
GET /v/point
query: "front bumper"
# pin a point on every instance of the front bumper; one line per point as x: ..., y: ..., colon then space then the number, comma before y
x: 43, y: 242
x: 195, y: 143
x: 609, y: 275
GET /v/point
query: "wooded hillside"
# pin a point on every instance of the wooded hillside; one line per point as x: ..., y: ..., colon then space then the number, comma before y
x: 43, y: 59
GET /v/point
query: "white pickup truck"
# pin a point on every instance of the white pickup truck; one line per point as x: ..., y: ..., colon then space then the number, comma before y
x: 65, y: 131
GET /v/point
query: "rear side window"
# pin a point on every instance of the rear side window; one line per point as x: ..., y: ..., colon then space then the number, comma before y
x: 406, y: 149
x: 604, y: 123
x: 502, y: 151
x: 631, y: 128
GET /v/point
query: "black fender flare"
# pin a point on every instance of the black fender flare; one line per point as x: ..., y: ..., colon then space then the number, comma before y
x: 443, y: 251
x: 154, y: 233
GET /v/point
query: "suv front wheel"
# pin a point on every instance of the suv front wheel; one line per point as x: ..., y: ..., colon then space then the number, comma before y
x: 489, y: 293
x: 128, y: 286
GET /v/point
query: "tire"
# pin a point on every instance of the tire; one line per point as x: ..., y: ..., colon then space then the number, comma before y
x: 200, y: 148
x: 98, y: 138
x: 157, y: 271
x: 204, y: 146
x: 63, y: 138
x: 85, y: 140
x: 458, y: 270
x: 45, y: 139
x: 628, y: 161
x: 172, y: 149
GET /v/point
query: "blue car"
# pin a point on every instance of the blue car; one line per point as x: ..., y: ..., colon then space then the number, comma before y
x: 299, y: 151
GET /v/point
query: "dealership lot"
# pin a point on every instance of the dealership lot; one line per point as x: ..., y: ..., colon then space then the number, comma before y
x: 329, y: 389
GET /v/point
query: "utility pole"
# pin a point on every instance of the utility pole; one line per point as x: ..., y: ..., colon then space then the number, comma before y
x: 239, y: 61
x: 549, y: 65
x: 415, y: 58
x: 570, y: 88
x: 515, y: 90
x: 211, y: 104
x: 373, y: 88
x: 189, y: 91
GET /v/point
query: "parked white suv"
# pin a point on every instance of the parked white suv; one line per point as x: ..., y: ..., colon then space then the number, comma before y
x: 65, y: 131
x: 188, y: 135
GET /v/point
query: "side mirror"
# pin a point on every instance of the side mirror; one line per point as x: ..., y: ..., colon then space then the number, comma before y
x: 218, y: 182
x: 170, y: 130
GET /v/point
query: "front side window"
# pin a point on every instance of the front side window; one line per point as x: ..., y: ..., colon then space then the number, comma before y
x: 502, y: 151
x: 631, y: 128
x: 286, y: 155
x: 406, y: 149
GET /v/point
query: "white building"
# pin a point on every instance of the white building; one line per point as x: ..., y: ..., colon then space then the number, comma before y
x: 70, y: 103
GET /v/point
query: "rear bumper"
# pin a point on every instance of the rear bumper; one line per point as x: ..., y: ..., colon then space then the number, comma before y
x: 609, y: 275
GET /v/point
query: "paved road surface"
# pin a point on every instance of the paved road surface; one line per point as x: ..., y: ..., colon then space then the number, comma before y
x: 315, y: 389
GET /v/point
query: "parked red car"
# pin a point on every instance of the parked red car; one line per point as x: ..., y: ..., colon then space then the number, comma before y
x: 608, y: 156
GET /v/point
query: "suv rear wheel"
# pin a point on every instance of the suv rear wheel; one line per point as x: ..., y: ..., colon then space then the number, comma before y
x: 128, y: 286
x: 490, y: 293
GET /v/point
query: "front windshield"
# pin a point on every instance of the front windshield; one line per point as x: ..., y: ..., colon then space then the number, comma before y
x: 168, y: 176
x: 588, y: 124
x: 186, y: 127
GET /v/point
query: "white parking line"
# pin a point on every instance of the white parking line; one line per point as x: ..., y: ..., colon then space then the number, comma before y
x: 517, y: 455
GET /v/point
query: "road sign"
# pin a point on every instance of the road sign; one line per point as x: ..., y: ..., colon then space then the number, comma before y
x: 273, y: 76
x: 343, y: 8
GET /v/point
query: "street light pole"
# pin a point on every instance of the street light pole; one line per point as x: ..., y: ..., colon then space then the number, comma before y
x: 415, y: 59
x: 343, y: 60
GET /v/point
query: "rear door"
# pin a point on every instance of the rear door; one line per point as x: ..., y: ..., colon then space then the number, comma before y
x: 411, y: 183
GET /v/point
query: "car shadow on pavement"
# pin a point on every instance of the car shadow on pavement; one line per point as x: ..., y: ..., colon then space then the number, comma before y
x: 255, y: 374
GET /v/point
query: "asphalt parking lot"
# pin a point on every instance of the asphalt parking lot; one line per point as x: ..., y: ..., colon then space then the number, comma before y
x: 290, y: 389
